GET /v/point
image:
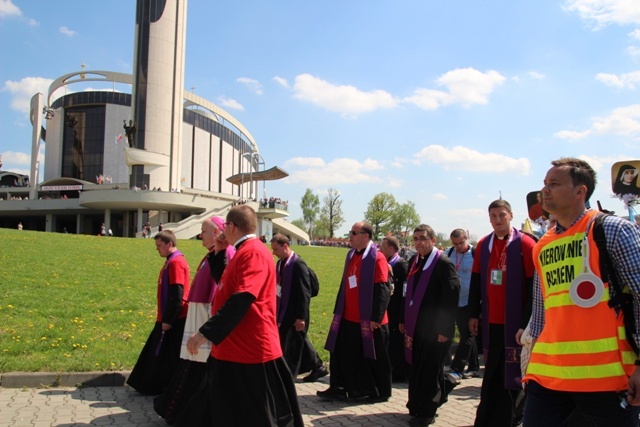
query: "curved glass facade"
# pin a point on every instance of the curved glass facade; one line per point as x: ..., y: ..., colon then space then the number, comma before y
x: 217, y: 129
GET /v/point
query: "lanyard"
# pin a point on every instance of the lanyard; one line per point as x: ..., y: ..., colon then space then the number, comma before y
x: 502, y: 262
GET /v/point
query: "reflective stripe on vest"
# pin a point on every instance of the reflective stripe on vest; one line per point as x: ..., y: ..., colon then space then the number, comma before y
x: 583, y: 345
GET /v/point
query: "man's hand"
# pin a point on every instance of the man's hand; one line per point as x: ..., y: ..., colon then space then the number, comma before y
x: 473, y: 326
x: 633, y: 393
x: 166, y: 326
x: 442, y: 338
x: 194, y: 343
x: 374, y: 326
x: 401, y: 327
x: 299, y: 325
x: 518, y: 336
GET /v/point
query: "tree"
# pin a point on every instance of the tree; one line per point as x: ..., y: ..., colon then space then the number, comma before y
x: 300, y: 224
x: 331, y: 213
x: 310, y: 205
x: 405, y: 219
x: 443, y: 239
x: 380, y: 212
x: 321, y: 228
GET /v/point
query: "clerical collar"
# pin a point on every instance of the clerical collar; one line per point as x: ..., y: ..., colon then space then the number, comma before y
x: 360, y: 251
x: 242, y: 239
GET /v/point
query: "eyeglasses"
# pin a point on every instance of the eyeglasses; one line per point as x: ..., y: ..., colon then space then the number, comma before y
x: 353, y: 232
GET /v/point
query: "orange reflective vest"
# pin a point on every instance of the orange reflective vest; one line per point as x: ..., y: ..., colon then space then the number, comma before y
x: 583, y: 345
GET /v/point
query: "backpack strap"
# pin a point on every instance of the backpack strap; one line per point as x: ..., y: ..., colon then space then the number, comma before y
x: 618, y: 299
x: 607, y: 272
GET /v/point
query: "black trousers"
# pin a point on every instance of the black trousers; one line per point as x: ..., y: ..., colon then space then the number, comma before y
x: 499, y: 407
x: 551, y: 408
x: 467, y: 352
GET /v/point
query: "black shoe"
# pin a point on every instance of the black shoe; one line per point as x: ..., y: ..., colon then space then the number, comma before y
x: 421, y: 421
x: 316, y: 374
x: 332, y: 393
x: 377, y: 399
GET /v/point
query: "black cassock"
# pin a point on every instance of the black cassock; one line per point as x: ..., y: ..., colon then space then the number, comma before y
x: 428, y: 388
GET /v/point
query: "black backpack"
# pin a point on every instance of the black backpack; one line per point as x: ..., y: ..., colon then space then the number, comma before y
x: 450, y: 251
x: 621, y: 299
x: 315, y: 283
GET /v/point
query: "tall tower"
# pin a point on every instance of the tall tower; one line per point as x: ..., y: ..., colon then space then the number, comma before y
x: 158, y: 82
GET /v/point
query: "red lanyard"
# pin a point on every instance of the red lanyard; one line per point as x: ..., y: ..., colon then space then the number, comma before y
x: 458, y: 264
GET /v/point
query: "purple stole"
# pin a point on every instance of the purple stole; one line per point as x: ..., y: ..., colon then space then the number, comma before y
x: 203, y: 286
x: 163, y: 288
x: 365, y: 300
x: 394, y: 259
x: 513, y: 314
x: 285, y: 278
x: 413, y: 300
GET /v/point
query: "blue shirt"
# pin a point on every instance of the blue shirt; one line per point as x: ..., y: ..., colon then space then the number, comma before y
x: 463, y: 263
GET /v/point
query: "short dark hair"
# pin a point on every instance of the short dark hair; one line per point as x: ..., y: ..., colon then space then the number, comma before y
x: 368, y: 229
x: 500, y: 203
x: 393, y: 242
x: 424, y: 227
x: 167, y: 236
x: 458, y: 232
x: 280, y: 239
x: 243, y: 217
x: 581, y: 173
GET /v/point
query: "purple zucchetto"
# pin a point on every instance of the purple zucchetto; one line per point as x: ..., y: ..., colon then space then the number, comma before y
x: 219, y: 221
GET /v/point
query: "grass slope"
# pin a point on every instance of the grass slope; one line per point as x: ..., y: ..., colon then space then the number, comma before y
x: 71, y: 303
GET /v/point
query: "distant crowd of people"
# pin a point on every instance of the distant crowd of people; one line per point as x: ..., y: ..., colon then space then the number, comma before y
x: 274, y: 203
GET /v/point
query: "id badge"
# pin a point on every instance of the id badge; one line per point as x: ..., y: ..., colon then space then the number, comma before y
x: 353, y: 282
x: 496, y: 277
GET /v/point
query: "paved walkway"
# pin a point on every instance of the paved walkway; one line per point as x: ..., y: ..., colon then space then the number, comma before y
x: 122, y: 406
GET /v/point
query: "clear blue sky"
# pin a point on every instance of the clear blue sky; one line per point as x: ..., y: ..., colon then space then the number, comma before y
x: 446, y: 104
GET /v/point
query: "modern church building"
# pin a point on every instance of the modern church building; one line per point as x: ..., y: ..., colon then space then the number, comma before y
x: 156, y: 155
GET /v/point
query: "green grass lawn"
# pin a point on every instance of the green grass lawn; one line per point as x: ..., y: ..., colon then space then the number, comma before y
x: 72, y: 303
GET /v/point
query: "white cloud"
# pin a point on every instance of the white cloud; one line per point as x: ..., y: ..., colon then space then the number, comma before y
x: 230, y: 103
x: 343, y: 99
x: 394, y: 182
x: 463, y: 158
x: 571, y: 134
x: 398, y: 162
x: 67, y: 32
x: 464, y: 86
x: 623, y: 121
x: 16, y: 158
x: 32, y: 22
x: 282, y: 81
x: 23, y: 90
x: 601, y: 13
x: 440, y: 196
x: 252, y: 84
x: 536, y: 75
x: 633, y: 51
x: 635, y: 34
x: 7, y: 8
x: 339, y: 171
x: 623, y: 81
